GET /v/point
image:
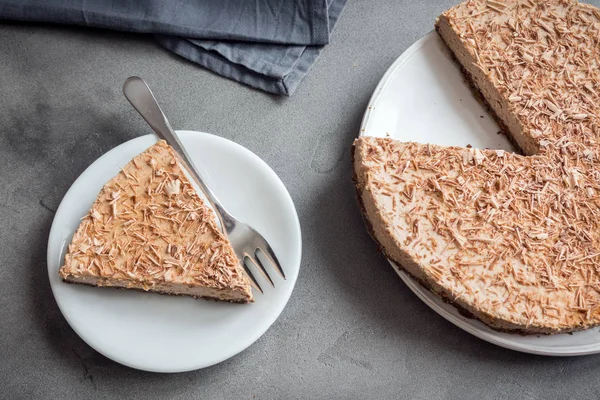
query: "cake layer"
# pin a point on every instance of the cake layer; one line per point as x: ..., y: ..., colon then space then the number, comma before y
x: 163, y: 288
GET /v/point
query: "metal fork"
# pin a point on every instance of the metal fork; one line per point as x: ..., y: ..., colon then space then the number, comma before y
x: 246, y: 241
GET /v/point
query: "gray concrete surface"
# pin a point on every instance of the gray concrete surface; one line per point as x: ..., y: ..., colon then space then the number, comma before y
x: 351, y: 330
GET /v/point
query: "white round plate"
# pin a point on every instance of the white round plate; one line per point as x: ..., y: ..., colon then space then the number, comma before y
x: 424, y: 98
x: 172, y: 333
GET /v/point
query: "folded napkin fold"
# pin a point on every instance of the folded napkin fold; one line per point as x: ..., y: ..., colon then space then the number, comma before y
x: 266, y: 44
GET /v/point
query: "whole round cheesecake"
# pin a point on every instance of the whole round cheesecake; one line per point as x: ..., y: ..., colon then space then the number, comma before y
x: 514, y: 240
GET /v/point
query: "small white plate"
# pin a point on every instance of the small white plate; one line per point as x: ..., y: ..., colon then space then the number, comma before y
x: 171, y: 333
x: 423, y: 98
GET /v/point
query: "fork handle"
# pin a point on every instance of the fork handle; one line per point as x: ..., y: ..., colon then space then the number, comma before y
x: 141, y: 98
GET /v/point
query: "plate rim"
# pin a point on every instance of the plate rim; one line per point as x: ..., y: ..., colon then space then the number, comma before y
x: 468, y: 325
x: 290, y: 278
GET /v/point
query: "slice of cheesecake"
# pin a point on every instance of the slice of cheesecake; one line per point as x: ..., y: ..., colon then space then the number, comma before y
x: 513, y: 240
x: 149, y: 230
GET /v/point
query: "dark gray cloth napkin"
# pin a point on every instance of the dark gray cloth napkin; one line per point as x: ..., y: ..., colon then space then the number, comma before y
x: 266, y: 44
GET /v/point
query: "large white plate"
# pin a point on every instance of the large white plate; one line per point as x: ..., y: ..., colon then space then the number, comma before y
x: 423, y: 98
x: 171, y: 333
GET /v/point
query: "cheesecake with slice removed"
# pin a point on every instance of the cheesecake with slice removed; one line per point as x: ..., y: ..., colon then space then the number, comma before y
x: 149, y: 230
x: 513, y: 240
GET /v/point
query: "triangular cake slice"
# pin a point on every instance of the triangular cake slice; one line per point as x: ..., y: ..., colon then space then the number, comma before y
x: 513, y: 240
x: 149, y: 230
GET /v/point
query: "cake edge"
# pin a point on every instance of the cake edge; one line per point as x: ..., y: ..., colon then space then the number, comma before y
x: 504, y: 131
x: 161, y: 292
